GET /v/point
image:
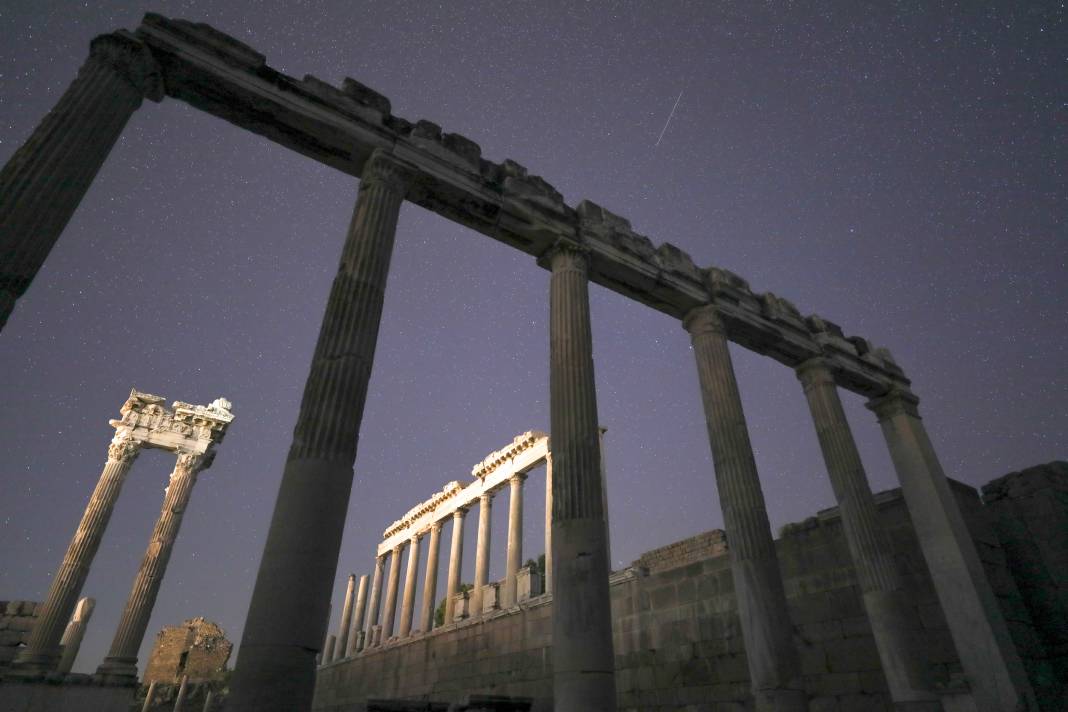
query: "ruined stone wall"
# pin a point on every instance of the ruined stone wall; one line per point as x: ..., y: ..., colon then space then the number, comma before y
x: 16, y: 622
x: 676, y: 632
x: 197, y: 648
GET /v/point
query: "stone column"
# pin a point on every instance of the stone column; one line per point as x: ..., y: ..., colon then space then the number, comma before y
x: 990, y: 660
x: 430, y: 581
x: 328, y: 649
x: 46, y: 178
x: 896, y: 634
x: 774, y: 668
x: 288, y: 612
x: 346, y: 618
x: 357, y: 619
x: 456, y: 556
x: 183, y: 689
x: 549, y: 521
x: 121, y: 660
x: 207, y: 701
x: 583, y: 662
x: 408, y: 601
x: 373, y: 611
x: 391, y: 593
x: 482, y: 553
x: 41, y: 653
x: 72, y: 636
x: 515, y: 539
x: 148, y: 697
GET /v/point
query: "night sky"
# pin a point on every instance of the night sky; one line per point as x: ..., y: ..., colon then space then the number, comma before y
x: 899, y: 170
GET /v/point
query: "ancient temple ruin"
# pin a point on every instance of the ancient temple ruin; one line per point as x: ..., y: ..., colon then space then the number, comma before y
x: 352, y: 129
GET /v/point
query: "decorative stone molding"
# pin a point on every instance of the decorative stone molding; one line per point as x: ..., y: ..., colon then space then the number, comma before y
x: 498, y: 457
x: 184, y: 428
x: 124, y: 447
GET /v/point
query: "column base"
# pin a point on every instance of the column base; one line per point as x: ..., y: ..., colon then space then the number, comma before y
x: 780, y: 700
x: 117, y: 670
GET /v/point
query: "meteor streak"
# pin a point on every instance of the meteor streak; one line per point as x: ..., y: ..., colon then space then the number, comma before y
x: 669, y: 119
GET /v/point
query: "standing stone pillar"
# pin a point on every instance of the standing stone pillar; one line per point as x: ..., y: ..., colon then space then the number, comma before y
x: 148, y: 697
x: 583, y: 662
x: 44, y: 181
x: 391, y: 593
x: 373, y: 610
x: 183, y: 689
x: 896, y: 634
x: 408, y: 601
x: 548, y: 522
x: 774, y: 668
x: 430, y: 581
x: 482, y: 553
x: 357, y: 619
x: 328, y: 649
x: 122, y: 658
x: 73, y: 635
x: 288, y: 612
x: 990, y: 660
x: 346, y: 618
x: 456, y: 557
x: 42, y: 651
x: 207, y: 701
x: 514, y: 559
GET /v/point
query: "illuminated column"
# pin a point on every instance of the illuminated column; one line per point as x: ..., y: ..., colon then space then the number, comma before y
x: 390, y: 615
x: 430, y: 581
x: 408, y: 601
x: 548, y: 522
x: 482, y: 553
x: 357, y: 619
x: 373, y: 612
x: 346, y: 619
x: 73, y: 635
x: 456, y: 556
x: 515, y: 539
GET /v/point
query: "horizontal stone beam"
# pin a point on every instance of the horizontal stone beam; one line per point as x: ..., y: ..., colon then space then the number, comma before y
x: 340, y: 127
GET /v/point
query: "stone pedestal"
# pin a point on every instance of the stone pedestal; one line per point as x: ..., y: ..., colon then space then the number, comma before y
x: 42, y: 652
x: 430, y: 581
x: 356, y: 632
x: 346, y: 618
x: 73, y: 635
x: 482, y: 553
x: 515, y: 540
x: 987, y: 653
x: 528, y: 584
x: 461, y: 606
x: 44, y: 181
x: 408, y: 601
x: 774, y: 668
x: 122, y: 658
x: 583, y: 662
x: 290, y: 602
x: 456, y: 555
x: 491, y: 597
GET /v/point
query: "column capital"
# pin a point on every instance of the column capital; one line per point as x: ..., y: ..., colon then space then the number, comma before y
x: 131, y: 59
x: 485, y: 498
x: 384, y: 169
x: 896, y: 401
x: 814, y: 372
x: 518, y: 477
x: 565, y: 254
x: 459, y: 513
x: 190, y: 463
x: 124, y: 447
x: 436, y: 527
x: 704, y: 319
x: 398, y: 549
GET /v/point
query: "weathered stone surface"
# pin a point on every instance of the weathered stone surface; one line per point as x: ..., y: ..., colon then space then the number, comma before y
x: 197, y: 648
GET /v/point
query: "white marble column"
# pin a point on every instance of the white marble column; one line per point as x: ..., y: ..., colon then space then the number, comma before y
x: 897, y: 635
x: 42, y: 653
x: 408, y: 601
x: 549, y: 522
x: 328, y: 649
x: 45, y: 179
x: 456, y: 557
x: 987, y: 653
x: 357, y: 619
x: 148, y: 697
x: 482, y: 553
x: 514, y: 559
x: 373, y: 607
x: 430, y: 580
x: 346, y: 618
x: 73, y: 635
x: 390, y: 614
x: 774, y: 667
x: 288, y: 613
x: 121, y: 660
x: 583, y: 661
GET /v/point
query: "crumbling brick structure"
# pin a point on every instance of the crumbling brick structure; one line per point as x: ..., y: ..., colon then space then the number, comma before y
x: 197, y: 648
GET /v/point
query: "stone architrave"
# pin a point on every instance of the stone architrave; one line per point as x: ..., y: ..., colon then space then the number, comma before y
x: 583, y: 661
x: 987, y: 653
x: 408, y: 600
x: 456, y: 555
x: 73, y: 635
x: 390, y: 614
x: 514, y: 558
x: 44, y: 181
x: 897, y: 636
x: 430, y: 580
x: 346, y: 618
x: 774, y: 667
x: 482, y: 552
x: 288, y: 611
x: 373, y: 608
x: 355, y: 639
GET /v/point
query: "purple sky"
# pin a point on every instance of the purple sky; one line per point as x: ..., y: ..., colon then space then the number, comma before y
x: 898, y: 171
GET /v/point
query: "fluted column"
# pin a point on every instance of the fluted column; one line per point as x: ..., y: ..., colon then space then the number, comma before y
x: 774, y: 668
x: 44, y: 181
x: 896, y: 634
x: 549, y: 522
x: 456, y: 558
x: 346, y: 618
x: 122, y: 658
x: 514, y: 558
x: 408, y: 601
x: 357, y: 619
x: 41, y: 653
x: 430, y: 580
x: 583, y: 662
x: 73, y: 635
x: 391, y: 593
x: 987, y: 653
x: 373, y: 609
x: 482, y: 553
x: 288, y: 613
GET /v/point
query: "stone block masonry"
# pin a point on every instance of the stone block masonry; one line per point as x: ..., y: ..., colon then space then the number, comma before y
x: 17, y: 619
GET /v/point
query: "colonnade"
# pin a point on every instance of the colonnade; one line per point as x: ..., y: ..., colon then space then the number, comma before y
x: 191, y: 432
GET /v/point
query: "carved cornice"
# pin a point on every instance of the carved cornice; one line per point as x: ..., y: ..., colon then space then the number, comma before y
x: 450, y: 490
x: 130, y: 59
x: 495, y: 459
x: 186, y: 428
